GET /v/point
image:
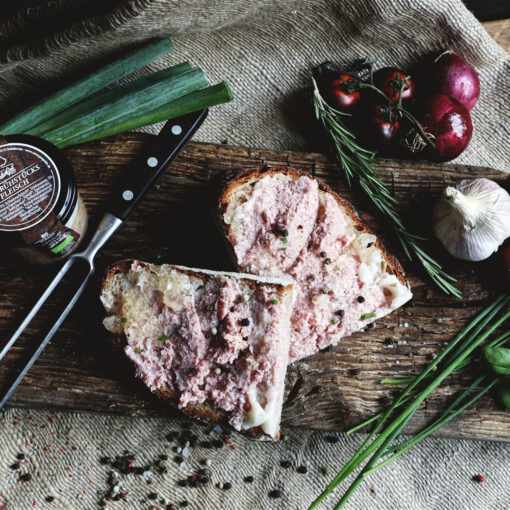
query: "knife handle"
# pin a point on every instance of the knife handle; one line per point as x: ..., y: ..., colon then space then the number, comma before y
x: 158, y: 155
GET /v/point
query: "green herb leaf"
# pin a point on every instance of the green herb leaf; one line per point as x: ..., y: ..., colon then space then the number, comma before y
x: 504, y: 393
x: 138, y: 350
x: 499, y: 359
x: 366, y: 316
x: 163, y: 338
x: 285, y: 240
x: 334, y: 321
x: 124, y: 320
x: 274, y: 301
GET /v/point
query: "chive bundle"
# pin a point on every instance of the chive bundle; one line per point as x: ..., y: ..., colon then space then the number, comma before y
x: 458, y: 354
x: 71, y: 116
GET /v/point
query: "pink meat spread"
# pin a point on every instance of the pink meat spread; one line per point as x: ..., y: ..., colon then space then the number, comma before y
x: 286, y: 227
x: 206, y: 337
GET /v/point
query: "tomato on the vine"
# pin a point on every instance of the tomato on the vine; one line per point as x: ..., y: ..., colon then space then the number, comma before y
x: 390, y: 80
x: 339, y: 89
x: 379, y: 129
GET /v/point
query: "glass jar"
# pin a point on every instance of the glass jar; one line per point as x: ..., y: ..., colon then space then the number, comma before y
x: 42, y: 216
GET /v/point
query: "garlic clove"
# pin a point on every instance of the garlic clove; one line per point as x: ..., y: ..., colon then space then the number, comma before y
x: 472, y: 219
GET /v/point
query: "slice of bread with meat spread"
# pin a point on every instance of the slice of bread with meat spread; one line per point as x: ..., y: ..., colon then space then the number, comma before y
x: 287, y: 224
x: 215, y: 344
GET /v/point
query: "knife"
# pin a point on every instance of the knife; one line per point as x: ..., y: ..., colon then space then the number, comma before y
x: 156, y: 157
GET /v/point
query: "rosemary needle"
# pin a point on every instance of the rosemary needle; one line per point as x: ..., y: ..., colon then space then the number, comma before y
x: 358, y: 165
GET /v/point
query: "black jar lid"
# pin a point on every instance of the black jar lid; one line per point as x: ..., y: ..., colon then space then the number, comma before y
x: 68, y: 195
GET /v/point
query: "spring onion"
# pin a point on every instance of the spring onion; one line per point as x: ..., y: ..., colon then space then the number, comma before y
x: 86, y: 86
x: 123, y: 108
x: 105, y: 98
x: 189, y: 103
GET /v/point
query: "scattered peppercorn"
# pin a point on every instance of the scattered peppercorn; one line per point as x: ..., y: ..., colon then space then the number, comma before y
x: 285, y: 464
x: 184, y: 503
x: 227, y: 486
x: 340, y: 313
x: 20, y: 456
x: 15, y: 465
x: 49, y: 499
x: 479, y: 478
x: 327, y: 261
x: 153, y: 495
x: 245, y: 322
x: 163, y: 457
x: 26, y: 477
x: 249, y: 479
x: 361, y: 299
x: 105, y: 460
x: 302, y: 469
x: 275, y: 494
x: 323, y: 254
x: 332, y: 439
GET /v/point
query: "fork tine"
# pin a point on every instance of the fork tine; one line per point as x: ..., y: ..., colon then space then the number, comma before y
x: 28, y: 319
x: 47, y: 338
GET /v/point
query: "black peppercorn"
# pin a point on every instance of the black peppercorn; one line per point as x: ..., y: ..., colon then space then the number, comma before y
x: 302, y: 470
x: 361, y: 299
x: 285, y: 464
x: 49, y: 499
x: 323, y: 254
x: 340, y: 313
x: 20, y: 456
x: 245, y: 322
x: 248, y: 479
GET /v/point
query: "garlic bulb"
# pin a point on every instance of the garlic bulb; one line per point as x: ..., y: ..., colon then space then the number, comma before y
x: 472, y: 219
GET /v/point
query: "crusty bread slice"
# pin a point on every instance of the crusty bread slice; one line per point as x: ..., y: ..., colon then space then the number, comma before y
x: 287, y: 224
x: 215, y: 344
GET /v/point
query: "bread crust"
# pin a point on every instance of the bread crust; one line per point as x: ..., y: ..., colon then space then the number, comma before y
x: 205, y: 411
x: 251, y: 175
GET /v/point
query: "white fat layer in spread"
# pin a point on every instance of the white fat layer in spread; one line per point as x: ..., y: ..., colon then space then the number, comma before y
x: 265, y: 411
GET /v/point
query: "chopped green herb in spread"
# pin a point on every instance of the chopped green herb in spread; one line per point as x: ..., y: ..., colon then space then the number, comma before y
x: 123, y: 320
x: 327, y: 261
x: 366, y: 316
x: 138, y: 350
x: 334, y: 321
x: 283, y: 249
x: 274, y: 301
x: 163, y: 338
x: 337, y: 268
x: 285, y: 240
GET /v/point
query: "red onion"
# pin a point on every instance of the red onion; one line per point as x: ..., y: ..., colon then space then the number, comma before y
x: 449, y: 122
x: 451, y: 75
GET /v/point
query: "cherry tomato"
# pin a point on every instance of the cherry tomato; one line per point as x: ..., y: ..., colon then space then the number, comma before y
x: 390, y: 81
x: 340, y: 90
x: 378, y: 129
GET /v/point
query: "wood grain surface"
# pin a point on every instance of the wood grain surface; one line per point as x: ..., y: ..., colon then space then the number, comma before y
x: 499, y: 30
x: 331, y: 390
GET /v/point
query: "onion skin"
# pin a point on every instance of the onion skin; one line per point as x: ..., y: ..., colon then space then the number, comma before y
x: 449, y: 121
x: 451, y: 75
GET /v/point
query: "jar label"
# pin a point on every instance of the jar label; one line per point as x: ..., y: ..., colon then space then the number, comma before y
x: 29, y: 186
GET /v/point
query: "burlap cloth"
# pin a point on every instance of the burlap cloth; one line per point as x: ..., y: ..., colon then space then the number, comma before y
x: 265, y: 50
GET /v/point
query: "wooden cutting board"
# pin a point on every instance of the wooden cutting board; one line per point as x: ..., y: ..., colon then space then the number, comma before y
x: 331, y: 390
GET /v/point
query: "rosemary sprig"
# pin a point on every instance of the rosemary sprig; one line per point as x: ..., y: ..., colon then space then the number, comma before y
x: 451, y: 360
x: 358, y: 165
